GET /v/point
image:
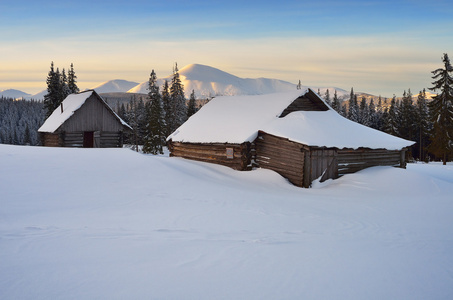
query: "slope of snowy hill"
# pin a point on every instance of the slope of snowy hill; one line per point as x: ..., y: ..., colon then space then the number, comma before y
x: 116, y: 224
x: 38, y: 96
x: 208, y: 82
x: 12, y: 93
x: 113, y: 86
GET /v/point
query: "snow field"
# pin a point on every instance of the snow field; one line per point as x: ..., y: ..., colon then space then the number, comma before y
x: 112, y: 223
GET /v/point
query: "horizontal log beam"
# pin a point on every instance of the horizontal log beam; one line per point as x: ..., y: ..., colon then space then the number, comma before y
x: 207, y: 152
x: 280, y: 162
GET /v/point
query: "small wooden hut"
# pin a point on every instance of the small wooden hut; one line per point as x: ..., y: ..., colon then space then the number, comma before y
x: 295, y: 134
x: 83, y: 120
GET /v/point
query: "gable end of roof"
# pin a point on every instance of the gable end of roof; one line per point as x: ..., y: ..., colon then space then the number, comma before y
x: 310, y: 101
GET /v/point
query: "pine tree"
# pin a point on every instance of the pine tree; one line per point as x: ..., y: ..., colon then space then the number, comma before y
x: 154, y: 138
x: 166, y: 102
x: 353, y: 110
x: 336, y: 104
x: 178, y: 101
x: 423, y: 124
x: 327, y: 97
x: 63, y: 87
x: 441, y: 108
x: 137, y: 120
x: 72, y: 81
x: 191, y: 109
x: 364, y: 113
x: 344, y: 110
x: 52, y: 98
x: 142, y: 122
x: 373, y: 115
x: 407, y: 117
x: 57, y: 89
x: 391, y: 121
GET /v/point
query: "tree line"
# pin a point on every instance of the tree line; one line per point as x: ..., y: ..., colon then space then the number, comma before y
x: 163, y: 112
x: 428, y: 123
x: 20, y: 121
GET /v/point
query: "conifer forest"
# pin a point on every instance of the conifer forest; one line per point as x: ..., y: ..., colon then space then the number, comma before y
x: 428, y: 122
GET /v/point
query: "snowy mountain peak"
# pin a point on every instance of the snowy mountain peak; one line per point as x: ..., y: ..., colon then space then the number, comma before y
x: 206, y: 73
x: 12, y: 93
x: 208, y: 82
x: 116, y: 85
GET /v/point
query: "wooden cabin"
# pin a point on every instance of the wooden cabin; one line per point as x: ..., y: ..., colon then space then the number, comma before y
x: 295, y: 134
x: 83, y: 120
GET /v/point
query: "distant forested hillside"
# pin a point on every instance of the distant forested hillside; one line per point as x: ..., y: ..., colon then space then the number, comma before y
x: 19, y: 121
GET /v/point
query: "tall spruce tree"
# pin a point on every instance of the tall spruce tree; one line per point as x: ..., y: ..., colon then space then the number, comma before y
x: 178, y: 101
x: 191, y: 109
x: 373, y: 114
x: 327, y: 97
x: 364, y: 113
x: 407, y: 116
x: 154, y: 138
x: 391, y: 123
x: 57, y: 89
x: 136, y: 116
x: 441, y: 108
x: 64, y: 88
x: 336, y: 104
x: 72, y: 81
x: 166, y: 102
x: 423, y: 125
x: 53, y: 98
x: 353, y: 109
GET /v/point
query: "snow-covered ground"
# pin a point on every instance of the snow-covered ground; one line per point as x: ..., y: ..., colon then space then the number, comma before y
x: 115, y: 224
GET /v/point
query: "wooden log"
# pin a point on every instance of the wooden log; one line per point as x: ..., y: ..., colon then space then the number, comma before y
x: 280, y: 161
x: 204, y: 157
x: 269, y: 138
x: 277, y: 148
x: 234, y: 164
x: 280, y: 155
x: 375, y: 161
x: 207, y: 154
x: 282, y: 169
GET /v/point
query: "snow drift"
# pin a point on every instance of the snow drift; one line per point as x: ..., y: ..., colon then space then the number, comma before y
x: 115, y: 224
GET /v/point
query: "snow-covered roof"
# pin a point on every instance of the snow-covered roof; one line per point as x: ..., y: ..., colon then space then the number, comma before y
x: 70, y: 105
x: 238, y: 119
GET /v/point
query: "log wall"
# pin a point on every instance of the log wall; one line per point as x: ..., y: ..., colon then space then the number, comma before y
x: 50, y: 139
x: 280, y: 155
x: 236, y: 156
x: 350, y: 161
x: 110, y: 139
x: 104, y: 139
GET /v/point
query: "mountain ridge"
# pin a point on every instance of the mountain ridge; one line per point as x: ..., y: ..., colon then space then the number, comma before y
x: 207, y: 82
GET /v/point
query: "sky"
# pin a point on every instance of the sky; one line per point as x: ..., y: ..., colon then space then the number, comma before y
x: 376, y: 46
